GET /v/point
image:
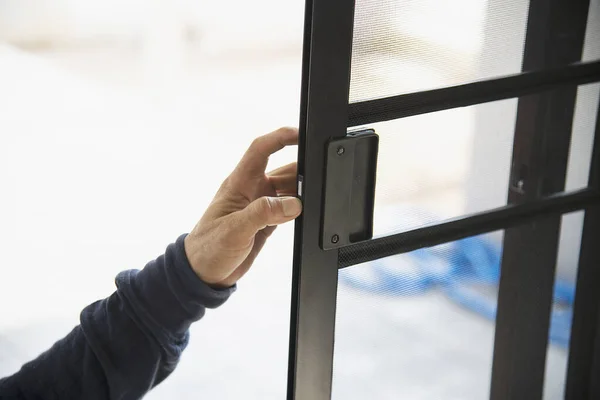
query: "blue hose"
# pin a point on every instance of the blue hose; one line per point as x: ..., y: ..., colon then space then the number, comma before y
x: 455, y: 268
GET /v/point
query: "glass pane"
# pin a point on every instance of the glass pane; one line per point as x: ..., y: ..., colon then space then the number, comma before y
x: 407, y: 45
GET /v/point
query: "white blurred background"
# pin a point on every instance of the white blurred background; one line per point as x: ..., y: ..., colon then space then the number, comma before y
x: 119, y: 119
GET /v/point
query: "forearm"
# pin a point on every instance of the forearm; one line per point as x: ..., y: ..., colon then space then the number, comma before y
x: 126, y: 344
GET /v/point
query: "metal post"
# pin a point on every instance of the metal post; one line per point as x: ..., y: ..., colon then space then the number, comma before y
x: 324, y: 115
x: 555, y: 35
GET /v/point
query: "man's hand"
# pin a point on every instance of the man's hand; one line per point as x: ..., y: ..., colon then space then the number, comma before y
x: 245, y: 211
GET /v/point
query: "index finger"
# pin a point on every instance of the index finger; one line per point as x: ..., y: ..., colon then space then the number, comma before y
x: 257, y: 156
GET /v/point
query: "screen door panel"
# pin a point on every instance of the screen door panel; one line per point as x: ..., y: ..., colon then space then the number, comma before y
x: 424, y: 165
x: 486, y: 197
x: 453, y: 163
x: 591, y: 48
x: 562, y: 305
x: 417, y: 325
x: 430, y: 314
x: 408, y: 46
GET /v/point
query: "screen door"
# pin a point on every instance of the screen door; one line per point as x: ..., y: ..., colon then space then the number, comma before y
x: 449, y: 246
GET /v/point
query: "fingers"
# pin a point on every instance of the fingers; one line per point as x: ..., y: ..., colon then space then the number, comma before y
x: 284, y: 185
x: 283, y: 180
x: 289, y: 169
x: 259, y: 242
x: 256, y: 157
x: 267, y: 211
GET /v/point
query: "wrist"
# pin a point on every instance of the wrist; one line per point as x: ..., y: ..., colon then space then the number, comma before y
x: 196, y: 263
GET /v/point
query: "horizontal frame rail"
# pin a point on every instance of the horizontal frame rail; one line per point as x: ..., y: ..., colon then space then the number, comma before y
x: 471, y: 225
x: 406, y: 105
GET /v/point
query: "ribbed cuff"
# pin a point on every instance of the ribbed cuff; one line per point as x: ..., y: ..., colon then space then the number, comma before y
x: 168, y: 294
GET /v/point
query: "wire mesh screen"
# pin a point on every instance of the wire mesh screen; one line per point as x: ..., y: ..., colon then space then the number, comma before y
x: 452, y: 163
x: 421, y: 325
x: 424, y: 164
x: 405, y: 46
x: 578, y: 168
x: 591, y: 48
x: 562, y: 304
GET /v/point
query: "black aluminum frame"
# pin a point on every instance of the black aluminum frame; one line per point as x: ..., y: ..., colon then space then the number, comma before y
x: 324, y: 115
x: 554, y: 39
x: 536, y: 202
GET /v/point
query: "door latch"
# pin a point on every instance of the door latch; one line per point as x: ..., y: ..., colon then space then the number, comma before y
x: 351, y: 168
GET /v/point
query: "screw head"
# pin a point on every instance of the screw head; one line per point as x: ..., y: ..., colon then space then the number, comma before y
x: 335, y: 239
x: 340, y: 150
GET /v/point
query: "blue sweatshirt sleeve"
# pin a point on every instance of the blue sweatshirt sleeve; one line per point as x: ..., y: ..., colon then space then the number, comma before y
x: 127, y: 343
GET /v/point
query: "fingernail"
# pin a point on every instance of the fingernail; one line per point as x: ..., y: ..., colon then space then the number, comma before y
x: 291, y: 206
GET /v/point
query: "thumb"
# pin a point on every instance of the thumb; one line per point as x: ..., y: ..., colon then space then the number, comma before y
x: 269, y: 211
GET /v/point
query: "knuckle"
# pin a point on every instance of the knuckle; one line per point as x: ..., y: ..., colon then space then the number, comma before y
x: 290, y: 129
x: 265, y: 207
x: 256, y: 143
x: 226, y: 183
